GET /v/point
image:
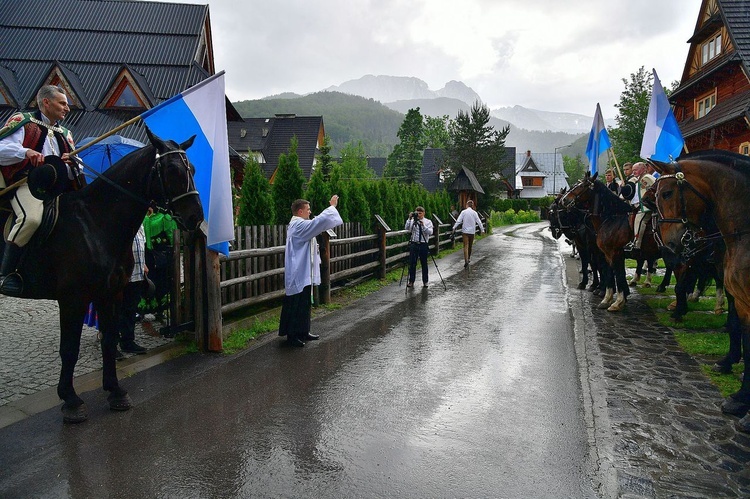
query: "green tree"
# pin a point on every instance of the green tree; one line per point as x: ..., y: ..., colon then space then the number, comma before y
x: 287, y: 185
x: 405, y: 162
x: 631, y: 116
x: 575, y: 168
x: 436, y: 133
x: 478, y: 146
x: 318, y: 192
x: 325, y: 161
x: 256, y: 202
x: 353, y: 163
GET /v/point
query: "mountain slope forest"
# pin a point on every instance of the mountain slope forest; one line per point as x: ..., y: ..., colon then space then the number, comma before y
x: 350, y: 118
x: 346, y: 118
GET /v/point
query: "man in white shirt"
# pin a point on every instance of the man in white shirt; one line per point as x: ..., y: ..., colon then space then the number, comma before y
x: 468, y: 220
x: 302, y: 268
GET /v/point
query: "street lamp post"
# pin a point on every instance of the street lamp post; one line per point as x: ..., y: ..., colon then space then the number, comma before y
x: 554, y: 172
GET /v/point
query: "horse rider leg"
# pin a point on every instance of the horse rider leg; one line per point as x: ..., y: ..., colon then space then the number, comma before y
x: 28, y: 210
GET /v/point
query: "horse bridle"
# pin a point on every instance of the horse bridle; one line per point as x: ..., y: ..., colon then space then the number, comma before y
x: 691, y: 242
x: 191, y: 191
x: 155, y: 168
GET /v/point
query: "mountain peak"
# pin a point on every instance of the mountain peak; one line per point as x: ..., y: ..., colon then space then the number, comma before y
x: 385, y: 88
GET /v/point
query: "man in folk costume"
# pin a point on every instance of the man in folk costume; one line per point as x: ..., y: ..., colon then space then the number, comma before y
x: 25, y: 140
x: 302, y: 268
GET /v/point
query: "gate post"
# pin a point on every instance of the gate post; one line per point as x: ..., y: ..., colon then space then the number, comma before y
x: 383, y: 229
x: 213, y: 302
x: 325, y: 268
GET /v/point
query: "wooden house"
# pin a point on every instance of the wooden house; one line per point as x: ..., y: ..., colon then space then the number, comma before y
x: 712, y: 103
x: 268, y: 138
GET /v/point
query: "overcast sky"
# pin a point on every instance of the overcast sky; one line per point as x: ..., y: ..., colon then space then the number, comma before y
x: 550, y: 55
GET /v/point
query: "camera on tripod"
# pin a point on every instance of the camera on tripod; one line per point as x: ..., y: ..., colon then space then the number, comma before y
x: 415, y: 215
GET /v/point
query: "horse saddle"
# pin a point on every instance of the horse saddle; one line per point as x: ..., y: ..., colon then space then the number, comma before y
x: 49, y: 219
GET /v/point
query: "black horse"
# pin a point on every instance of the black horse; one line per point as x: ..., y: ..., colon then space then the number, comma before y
x: 575, y: 224
x: 87, y: 257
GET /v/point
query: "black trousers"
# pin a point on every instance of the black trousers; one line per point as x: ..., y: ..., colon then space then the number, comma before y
x: 295, y: 315
x: 131, y: 296
x: 418, y: 251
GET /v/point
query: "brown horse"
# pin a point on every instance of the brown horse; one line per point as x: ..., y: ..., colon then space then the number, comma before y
x: 609, y: 215
x: 713, y: 187
x: 87, y: 257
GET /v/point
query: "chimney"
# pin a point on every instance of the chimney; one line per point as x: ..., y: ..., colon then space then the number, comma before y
x: 528, y: 154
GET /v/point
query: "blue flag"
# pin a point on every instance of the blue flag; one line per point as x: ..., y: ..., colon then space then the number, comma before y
x: 201, y: 111
x: 662, y: 139
x: 598, y: 141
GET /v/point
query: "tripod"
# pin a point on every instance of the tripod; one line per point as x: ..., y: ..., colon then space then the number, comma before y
x: 412, y: 254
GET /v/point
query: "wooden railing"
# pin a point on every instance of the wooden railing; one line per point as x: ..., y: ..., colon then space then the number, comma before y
x: 254, y: 273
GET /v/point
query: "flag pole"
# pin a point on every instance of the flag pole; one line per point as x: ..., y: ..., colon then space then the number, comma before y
x: 102, y: 137
x: 19, y: 183
x: 611, y: 151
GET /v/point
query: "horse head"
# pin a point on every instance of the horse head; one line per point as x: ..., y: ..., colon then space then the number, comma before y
x: 582, y: 191
x: 171, y: 184
x: 682, y: 211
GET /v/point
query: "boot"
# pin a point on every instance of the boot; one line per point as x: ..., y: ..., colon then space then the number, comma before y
x: 10, y: 282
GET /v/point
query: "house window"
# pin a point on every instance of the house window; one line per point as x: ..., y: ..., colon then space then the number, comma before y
x: 710, y: 49
x: 532, y: 181
x: 125, y: 96
x: 745, y: 148
x: 704, y: 104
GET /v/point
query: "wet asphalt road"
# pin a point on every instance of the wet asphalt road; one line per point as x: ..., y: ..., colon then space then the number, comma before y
x: 469, y: 392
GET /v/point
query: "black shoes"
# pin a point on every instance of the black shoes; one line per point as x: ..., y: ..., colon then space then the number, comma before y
x: 119, y: 355
x: 409, y: 284
x: 312, y: 337
x: 132, y: 347
x: 295, y: 342
x: 424, y: 284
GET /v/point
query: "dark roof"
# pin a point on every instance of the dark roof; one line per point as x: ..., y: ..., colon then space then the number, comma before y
x: 725, y: 110
x: 377, y: 165
x: 509, y: 164
x: 432, y: 166
x: 466, y: 181
x: 272, y: 137
x: 91, y: 42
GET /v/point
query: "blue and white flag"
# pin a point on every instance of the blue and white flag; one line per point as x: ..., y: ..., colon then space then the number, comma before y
x: 201, y: 111
x: 598, y: 141
x: 662, y: 139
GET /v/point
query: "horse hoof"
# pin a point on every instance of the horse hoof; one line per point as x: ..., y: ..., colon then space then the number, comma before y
x: 603, y: 305
x: 672, y: 306
x: 582, y: 285
x: 119, y: 402
x: 646, y: 284
x: 74, y: 415
x: 722, y: 368
x: 661, y: 289
x: 731, y: 406
x: 718, y: 311
x: 614, y: 308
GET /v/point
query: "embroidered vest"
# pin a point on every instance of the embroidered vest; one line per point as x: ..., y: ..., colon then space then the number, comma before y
x: 34, y: 137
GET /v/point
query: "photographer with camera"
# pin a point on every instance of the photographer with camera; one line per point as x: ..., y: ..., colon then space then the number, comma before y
x: 421, y: 230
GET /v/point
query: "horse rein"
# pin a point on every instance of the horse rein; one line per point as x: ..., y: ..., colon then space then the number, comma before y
x: 691, y: 242
x: 154, y: 168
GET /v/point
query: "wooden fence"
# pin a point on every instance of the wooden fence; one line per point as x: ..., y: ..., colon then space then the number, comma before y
x: 254, y: 272
x: 209, y: 285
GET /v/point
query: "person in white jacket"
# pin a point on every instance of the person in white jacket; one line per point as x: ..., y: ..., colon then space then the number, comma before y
x: 468, y: 219
x: 302, y: 268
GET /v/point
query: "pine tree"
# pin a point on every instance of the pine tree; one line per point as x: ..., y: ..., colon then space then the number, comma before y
x: 318, y: 192
x: 256, y: 202
x: 287, y: 185
x: 325, y: 161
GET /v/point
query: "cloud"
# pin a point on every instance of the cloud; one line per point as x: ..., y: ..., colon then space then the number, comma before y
x: 543, y: 54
